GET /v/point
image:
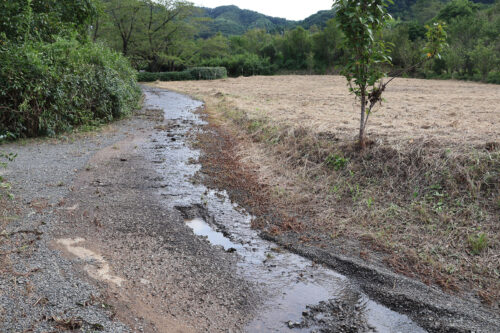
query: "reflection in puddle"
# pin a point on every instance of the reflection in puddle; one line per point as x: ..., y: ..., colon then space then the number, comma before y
x: 202, y: 228
x: 295, y: 283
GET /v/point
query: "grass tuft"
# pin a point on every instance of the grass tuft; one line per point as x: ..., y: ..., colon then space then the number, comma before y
x: 478, y: 243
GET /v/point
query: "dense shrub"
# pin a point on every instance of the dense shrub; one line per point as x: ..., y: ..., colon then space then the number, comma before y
x: 196, y: 73
x: 243, y: 64
x: 175, y: 76
x: 47, y: 19
x: 493, y: 77
x: 46, y: 88
x: 147, y: 77
x: 208, y: 73
x: 164, y: 76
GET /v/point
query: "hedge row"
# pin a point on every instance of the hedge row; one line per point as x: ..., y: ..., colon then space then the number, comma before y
x: 208, y: 73
x: 195, y: 73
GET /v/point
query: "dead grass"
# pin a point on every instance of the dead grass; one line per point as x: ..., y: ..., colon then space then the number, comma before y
x: 427, y: 192
x: 449, y: 111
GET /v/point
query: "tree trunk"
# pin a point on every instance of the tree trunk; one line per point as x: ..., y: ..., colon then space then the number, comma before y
x: 125, y: 47
x: 362, y: 122
x: 96, y: 30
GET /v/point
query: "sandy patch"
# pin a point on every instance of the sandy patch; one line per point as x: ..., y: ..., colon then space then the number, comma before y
x: 98, y: 268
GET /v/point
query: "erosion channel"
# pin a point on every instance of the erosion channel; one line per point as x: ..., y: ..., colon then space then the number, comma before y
x: 299, y: 295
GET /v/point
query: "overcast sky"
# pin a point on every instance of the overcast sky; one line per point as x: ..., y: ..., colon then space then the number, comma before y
x: 290, y: 9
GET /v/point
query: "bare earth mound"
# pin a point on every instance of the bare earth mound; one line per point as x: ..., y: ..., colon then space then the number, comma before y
x: 423, y: 198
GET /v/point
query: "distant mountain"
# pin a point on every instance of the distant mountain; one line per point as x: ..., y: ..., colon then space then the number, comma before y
x: 319, y: 19
x: 232, y: 20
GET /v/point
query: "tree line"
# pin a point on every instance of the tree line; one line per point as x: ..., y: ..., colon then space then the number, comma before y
x: 165, y: 36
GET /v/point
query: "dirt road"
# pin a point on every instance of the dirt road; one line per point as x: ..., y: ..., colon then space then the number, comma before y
x: 115, y: 231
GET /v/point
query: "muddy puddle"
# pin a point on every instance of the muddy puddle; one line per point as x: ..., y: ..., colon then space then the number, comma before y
x: 203, y: 229
x: 301, y: 296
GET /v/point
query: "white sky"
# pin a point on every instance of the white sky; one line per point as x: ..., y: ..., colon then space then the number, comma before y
x: 290, y: 9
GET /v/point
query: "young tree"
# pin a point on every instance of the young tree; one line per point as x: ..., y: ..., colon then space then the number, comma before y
x: 362, y: 22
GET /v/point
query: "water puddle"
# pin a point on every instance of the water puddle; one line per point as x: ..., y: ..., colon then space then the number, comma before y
x: 297, y: 285
x: 301, y: 296
x: 203, y: 229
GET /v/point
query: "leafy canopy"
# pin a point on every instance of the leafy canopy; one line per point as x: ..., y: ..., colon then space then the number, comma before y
x: 45, y: 19
x: 362, y: 23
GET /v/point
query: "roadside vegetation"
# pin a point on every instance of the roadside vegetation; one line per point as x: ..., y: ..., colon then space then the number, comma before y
x: 53, y: 78
x: 195, y: 73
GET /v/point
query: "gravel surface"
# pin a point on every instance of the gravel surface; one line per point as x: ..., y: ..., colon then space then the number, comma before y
x: 93, y: 246
x: 40, y: 290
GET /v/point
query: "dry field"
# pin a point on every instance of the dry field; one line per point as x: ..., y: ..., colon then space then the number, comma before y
x: 425, y: 193
x: 443, y: 110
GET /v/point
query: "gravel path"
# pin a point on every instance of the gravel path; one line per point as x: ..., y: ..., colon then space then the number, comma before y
x: 89, y: 245
x: 39, y: 289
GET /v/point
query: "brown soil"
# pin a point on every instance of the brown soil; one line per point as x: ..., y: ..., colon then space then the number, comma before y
x: 419, y: 197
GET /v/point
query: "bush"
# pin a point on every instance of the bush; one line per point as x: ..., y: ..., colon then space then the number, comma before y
x: 147, y: 77
x: 493, y: 77
x: 175, y: 76
x: 243, y: 64
x: 47, y: 88
x: 164, y: 76
x: 208, y: 73
x: 195, y: 73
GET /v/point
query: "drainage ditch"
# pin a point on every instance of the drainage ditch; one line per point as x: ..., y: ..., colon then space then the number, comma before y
x: 301, y: 296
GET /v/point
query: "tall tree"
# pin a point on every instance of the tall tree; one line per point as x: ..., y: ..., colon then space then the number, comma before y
x: 327, y: 45
x: 162, y: 22
x: 124, y: 14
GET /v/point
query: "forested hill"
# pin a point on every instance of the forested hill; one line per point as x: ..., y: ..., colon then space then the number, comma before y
x: 417, y: 9
x: 232, y: 20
